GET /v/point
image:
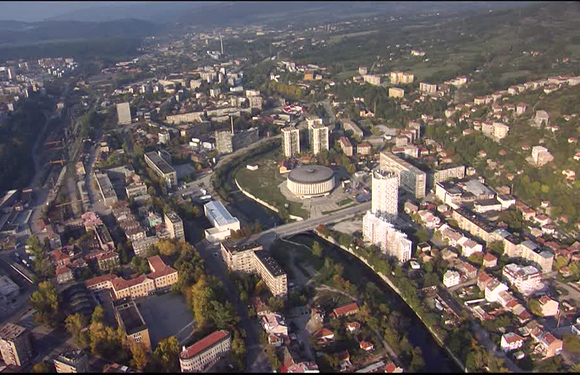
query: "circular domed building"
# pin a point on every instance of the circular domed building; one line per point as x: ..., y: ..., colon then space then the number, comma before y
x: 309, y: 181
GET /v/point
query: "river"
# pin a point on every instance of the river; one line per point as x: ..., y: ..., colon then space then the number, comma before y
x: 436, y: 358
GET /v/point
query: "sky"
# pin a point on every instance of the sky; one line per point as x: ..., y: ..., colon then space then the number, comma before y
x: 34, y: 11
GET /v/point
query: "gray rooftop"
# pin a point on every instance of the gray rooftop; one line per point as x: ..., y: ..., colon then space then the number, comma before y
x: 219, y: 213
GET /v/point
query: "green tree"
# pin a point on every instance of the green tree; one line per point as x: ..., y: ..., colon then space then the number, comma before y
x: 46, y: 302
x: 571, y: 343
x: 43, y: 367
x: 422, y: 235
x: 140, y: 359
x: 201, y: 295
x: 167, y: 354
x: 317, y: 249
x: 535, y: 307
x: 238, y: 353
x: 496, y: 247
x: 75, y: 325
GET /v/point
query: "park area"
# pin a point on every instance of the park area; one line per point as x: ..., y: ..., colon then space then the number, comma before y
x: 263, y: 183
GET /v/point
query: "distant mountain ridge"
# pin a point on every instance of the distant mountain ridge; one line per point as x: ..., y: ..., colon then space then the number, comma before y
x: 15, y: 32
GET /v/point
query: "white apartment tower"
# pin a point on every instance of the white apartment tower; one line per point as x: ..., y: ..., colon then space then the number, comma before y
x: 378, y: 231
x: 291, y: 141
x: 123, y: 114
x: 385, y: 194
x: 319, y: 141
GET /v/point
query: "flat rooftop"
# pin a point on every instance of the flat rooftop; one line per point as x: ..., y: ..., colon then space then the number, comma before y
x: 11, y: 331
x: 173, y: 217
x: 271, y: 265
x: 220, y: 214
x: 234, y: 247
x: 131, y: 318
x: 159, y: 162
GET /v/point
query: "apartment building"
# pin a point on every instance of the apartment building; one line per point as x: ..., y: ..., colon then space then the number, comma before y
x: 427, y: 88
x: 141, y: 246
x: 291, y: 139
x: 372, y: 79
x: 132, y: 323
x: 319, y: 138
x: 161, y: 167
x: 396, y: 92
x: 411, y: 178
x: 401, y: 77
x: 379, y: 231
x: 526, y: 280
x: 15, y: 345
x: 72, y: 361
x: 106, y: 189
x: 442, y: 174
x: 473, y: 224
x: 205, y: 352
x: 250, y: 258
x: 184, y: 118
x: 123, y: 114
x: 351, y: 126
x: 174, y: 225
x: 345, y: 146
x: 385, y: 194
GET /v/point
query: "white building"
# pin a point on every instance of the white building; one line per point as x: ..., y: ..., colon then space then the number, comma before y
x: 123, y: 114
x: 385, y: 194
x: 511, y: 341
x: 378, y: 231
x: 526, y: 279
x: 451, y: 278
x: 291, y: 141
x: 223, y: 222
x: 319, y: 138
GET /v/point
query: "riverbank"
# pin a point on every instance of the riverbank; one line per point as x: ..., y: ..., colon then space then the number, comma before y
x: 396, y: 290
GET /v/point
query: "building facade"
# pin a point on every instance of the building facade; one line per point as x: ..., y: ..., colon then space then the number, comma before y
x: 161, y: 167
x: 319, y: 138
x: 15, y: 345
x: 411, y: 178
x: 291, y: 141
x: 379, y: 231
x: 174, y: 225
x: 205, y: 352
x: 385, y: 194
x: 132, y: 323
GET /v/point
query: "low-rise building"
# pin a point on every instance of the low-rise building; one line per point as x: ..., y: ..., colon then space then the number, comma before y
x: 223, y: 222
x: 526, y: 279
x: 511, y: 341
x: 205, y: 352
x: 132, y: 323
x: 451, y: 278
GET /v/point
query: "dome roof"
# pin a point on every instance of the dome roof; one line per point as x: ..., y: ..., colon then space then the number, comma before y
x: 310, y: 174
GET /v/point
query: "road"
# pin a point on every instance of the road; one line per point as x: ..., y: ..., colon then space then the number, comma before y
x: 328, y: 108
x: 267, y: 237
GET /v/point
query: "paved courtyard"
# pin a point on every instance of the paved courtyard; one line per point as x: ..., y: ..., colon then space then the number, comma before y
x: 167, y: 315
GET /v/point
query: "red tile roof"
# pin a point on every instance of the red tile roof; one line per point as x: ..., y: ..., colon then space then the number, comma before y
x: 204, y: 344
x: 347, y: 309
x: 60, y: 270
x: 99, y: 279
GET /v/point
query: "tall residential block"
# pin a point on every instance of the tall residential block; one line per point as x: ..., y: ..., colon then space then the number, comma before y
x: 411, y: 178
x: 319, y: 138
x: 291, y: 141
x: 123, y: 114
x: 378, y: 231
x: 15, y: 345
x: 174, y: 225
x: 385, y: 194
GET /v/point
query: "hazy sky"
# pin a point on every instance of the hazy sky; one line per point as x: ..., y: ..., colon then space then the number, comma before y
x: 32, y: 11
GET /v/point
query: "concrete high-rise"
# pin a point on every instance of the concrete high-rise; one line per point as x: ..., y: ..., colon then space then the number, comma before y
x: 123, y: 114
x: 385, y: 194
x: 319, y: 141
x: 15, y: 345
x: 174, y: 225
x: 411, y: 178
x: 291, y: 141
x: 378, y: 231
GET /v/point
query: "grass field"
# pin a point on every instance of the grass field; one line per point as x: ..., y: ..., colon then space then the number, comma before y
x: 263, y: 183
x: 338, y: 38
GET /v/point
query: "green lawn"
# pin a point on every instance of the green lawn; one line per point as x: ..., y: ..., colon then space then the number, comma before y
x: 263, y: 183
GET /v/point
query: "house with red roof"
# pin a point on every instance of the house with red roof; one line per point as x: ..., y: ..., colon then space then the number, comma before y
x: 366, y: 346
x: 511, y: 341
x: 346, y: 310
